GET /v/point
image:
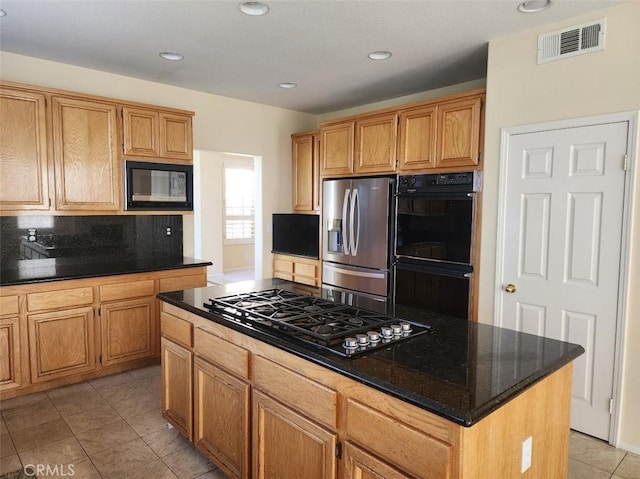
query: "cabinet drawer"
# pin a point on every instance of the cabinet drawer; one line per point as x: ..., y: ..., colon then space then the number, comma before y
x: 134, y: 289
x: 8, y: 305
x: 176, y: 329
x: 306, y: 280
x: 59, y: 299
x: 397, y: 443
x: 279, y: 275
x: 283, y: 266
x: 178, y: 283
x: 316, y: 400
x: 221, y: 352
x: 305, y: 270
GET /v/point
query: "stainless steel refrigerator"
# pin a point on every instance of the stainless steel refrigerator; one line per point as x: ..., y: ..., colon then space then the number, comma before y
x: 356, y: 220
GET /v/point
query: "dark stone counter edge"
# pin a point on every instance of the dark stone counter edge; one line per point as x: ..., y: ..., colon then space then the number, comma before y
x: 456, y: 416
x: 103, y: 270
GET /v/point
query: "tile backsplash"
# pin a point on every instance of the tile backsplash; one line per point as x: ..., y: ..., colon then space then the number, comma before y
x: 95, y: 238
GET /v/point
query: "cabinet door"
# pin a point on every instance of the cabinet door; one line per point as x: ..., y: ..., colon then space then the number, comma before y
x: 85, y: 152
x: 336, y: 149
x: 302, y: 171
x: 417, y: 144
x: 24, y: 182
x: 176, y: 136
x: 221, y: 412
x: 128, y: 330
x: 10, y: 373
x: 177, y: 374
x: 459, y: 133
x: 141, y: 132
x: 359, y: 464
x: 376, y: 144
x: 286, y: 444
x: 61, y: 343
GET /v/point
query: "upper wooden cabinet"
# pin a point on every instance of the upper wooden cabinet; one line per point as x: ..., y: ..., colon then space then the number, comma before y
x: 459, y: 125
x: 443, y: 134
x: 336, y: 149
x: 304, y: 163
x: 85, y: 155
x: 154, y: 134
x: 417, y: 139
x: 375, y: 150
x: 24, y: 180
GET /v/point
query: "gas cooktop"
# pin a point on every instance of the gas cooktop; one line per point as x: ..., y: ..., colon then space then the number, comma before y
x: 341, y: 329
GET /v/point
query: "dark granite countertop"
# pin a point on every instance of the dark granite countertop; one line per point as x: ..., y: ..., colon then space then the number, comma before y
x: 59, y: 269
x: 462, y: 371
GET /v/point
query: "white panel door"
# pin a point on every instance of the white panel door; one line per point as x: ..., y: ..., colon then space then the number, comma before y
x: 562, y: 246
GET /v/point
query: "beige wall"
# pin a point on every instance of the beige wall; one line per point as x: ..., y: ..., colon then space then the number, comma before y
x: 521, y: 92
x: 237, y: 256
x: 220, y: 124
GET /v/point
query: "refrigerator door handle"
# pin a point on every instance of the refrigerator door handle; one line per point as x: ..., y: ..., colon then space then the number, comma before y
x: 354, y: 223
x: 345, y: 209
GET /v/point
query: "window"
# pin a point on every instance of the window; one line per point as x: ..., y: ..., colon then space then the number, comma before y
x: 239, y: 211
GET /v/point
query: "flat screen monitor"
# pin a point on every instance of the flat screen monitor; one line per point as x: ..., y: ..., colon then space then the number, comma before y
x: 296, y: 234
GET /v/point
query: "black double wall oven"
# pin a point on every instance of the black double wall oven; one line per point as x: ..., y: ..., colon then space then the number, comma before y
x: 435, y: 224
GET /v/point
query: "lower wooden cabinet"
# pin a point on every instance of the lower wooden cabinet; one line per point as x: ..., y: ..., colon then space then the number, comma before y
x: 221, y: 417
x: 297, y: 269
x: 10, y: 376
x: 177, y: 373
x: 61, y: 343
x: 287, y: 444
x: 128, y: 330
x: 359, y: 464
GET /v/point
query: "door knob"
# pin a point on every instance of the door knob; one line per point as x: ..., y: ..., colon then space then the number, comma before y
x: 510, y: 288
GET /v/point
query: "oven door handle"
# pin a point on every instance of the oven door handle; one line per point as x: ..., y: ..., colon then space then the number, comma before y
x: 345, y: 226
x: 354, y: 232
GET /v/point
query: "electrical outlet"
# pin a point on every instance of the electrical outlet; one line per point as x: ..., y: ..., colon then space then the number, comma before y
x: 168, y: 230
x: 527, y: 449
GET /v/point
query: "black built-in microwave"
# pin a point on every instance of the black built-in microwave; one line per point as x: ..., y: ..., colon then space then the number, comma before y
x: 158, y: 186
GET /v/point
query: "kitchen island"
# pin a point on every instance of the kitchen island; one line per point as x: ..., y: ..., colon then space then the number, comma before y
x: 459, y: 401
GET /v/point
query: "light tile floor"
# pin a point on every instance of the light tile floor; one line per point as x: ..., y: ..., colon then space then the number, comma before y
x: 111, y: 427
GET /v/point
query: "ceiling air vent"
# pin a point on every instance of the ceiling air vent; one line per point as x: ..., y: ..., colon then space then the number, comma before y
x: 572, y: 41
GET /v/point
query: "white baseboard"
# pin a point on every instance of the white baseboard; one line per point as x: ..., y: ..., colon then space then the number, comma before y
x: 634, y: 448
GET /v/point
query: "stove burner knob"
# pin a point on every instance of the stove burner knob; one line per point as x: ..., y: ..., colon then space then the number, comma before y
x: 387, y: 332
x: 406, y: 327
x: 397, y: 329
x: 350, y: 343
x: 362, y: 339
x: 374, y: 336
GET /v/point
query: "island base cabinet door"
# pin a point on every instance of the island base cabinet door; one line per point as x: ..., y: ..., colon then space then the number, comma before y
x: 61, y: 343
x: 177, y: 373
x: 359, y: 464
x: 286, y: 444
x: 128, y: 330
x: 221, y: 425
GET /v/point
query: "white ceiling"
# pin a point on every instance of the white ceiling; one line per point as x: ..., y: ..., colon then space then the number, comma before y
x: 320, y: 45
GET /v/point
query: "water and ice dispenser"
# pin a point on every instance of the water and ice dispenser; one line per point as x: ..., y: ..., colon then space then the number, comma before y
x: 334, y: 235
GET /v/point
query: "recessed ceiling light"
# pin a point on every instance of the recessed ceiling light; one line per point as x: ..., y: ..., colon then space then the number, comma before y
x: 534, y: 6
x: 172, y: 56
x: 2, y: 13
x: 287, y: 85
x: 253, y: 8
x: 379, y: 55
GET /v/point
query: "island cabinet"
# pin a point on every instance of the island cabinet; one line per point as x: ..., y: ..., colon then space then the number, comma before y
x: 309, y: 421
x: 24, y: 155
x: 305, y: 172
x: 153, y: 134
